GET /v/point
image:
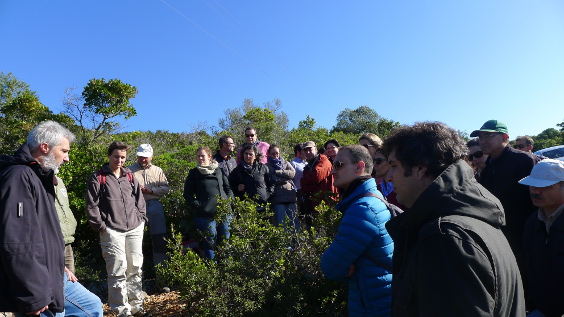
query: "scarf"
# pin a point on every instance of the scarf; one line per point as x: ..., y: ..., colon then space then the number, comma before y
x: 278, y: 165
x: 208, y: 170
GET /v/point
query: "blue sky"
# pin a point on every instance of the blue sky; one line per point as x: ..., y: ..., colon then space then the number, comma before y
x: 459, y: 62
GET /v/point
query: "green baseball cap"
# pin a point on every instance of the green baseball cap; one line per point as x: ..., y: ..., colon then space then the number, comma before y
x: 491, y: 126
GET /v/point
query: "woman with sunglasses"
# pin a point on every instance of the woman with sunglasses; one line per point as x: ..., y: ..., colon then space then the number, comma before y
x: 380, y: 172
x: 476, y: 157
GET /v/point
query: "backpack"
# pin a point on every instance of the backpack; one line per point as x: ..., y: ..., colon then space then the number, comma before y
x: 102, y: 180
x: 393, y: 209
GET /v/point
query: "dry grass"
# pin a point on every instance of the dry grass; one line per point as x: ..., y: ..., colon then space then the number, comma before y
x: 160, y: 305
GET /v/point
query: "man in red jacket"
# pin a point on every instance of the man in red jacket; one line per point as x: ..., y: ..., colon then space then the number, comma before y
x: 317, y: 181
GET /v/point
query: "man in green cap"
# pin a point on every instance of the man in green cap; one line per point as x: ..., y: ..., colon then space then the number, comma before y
x: 504, y: 168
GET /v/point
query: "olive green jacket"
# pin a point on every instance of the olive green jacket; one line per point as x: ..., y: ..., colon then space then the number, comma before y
x: 66, y: 218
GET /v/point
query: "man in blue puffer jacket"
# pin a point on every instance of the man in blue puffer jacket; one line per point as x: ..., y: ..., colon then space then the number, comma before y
x: 362, y: 250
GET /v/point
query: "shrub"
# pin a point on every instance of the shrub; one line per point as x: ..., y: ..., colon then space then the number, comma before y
x: 262, y: 270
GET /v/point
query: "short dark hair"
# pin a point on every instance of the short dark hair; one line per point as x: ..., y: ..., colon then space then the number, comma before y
x: 258, y: 153
x: 433, y: 145
x: 527, y: 139
x: 223, y: 139
x: 297, y: 148
x: 250, y: 128
x: 358, y: 153
x: 272, y: 146
x: 117, y: 145
x: 332, y: 141
x: 473, y: 142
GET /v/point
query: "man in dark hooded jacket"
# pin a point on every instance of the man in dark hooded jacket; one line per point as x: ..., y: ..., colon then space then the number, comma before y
x: 450, y: 256
x: 31, y: 243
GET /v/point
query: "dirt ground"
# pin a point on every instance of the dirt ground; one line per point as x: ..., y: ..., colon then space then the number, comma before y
x: 160, y: 305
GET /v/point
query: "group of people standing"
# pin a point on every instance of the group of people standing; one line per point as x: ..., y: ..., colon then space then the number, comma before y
x: 468, y: 242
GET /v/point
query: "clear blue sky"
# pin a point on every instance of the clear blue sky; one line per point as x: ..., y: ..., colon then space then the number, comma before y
x: 459, y: 62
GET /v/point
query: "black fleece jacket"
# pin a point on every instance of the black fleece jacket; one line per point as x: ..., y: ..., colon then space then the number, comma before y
x: 450, y: 256
x: 31, y: 242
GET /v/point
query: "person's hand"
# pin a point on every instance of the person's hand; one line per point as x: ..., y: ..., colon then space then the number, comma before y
x: 351, y: 270
x: 37, y: 312
x: 241, y: 187
x: 71, y: 275
x: 146, y: 190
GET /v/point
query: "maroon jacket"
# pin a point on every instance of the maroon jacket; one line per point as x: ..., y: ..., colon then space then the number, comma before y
x: 317, y: 178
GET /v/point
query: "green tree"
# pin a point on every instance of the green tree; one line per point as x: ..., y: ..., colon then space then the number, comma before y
x: 271, y: 123
x: 11, y: 87
x: 362, y: 120
x: 100, y: 106
x: 547, y: 138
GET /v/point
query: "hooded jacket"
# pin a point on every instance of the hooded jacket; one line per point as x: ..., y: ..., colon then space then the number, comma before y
x: 450, y: 256
x: 31, y: 243
x: 362, y: 240
x: 119, y: 205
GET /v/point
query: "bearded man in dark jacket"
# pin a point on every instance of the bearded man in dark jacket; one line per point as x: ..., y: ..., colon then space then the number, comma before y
x: 31, y: 243
x: 450, y: 256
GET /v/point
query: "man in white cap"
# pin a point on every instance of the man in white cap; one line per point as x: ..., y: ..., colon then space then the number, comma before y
x: 154, y: 185
x: 544, y: 238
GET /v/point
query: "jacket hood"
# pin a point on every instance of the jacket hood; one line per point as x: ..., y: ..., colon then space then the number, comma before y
x: 21, y: 157
x: 455, y: 192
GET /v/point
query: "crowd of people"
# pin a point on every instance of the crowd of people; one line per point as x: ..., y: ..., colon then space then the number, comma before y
x: 431, y: 225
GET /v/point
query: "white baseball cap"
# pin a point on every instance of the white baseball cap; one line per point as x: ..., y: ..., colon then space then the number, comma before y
x: 546, y: 173
x: 145, y: 150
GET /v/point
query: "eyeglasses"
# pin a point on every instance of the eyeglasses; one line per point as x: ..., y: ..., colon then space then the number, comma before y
x: 519, y: 146
x: 476, y: 154
x: 339, y: 164
x: 250, y: 135
x: 378, y: 161
x: 488, y: 136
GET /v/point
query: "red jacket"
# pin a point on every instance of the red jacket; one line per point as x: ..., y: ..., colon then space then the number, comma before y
x: 317, y: 178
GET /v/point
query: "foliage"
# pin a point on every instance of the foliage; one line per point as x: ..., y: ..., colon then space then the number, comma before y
x: 101, y: 104
x: 547, y: 138
x: 269, y: 121
x: 262, y: 270
x: 11, y: 87
x: 363, y: 120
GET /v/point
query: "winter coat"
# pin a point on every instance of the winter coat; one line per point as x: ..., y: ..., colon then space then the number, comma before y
x: 284, y: 189
x: 119, y: 204
x: 257, y: 182
x: 66, y: 217
x: 226, y: 165
x: 200, y: 191
x: 501, y: 177
x: 317, y: 178
x: 362, y: 240
x: 545, y: 264
x: 31, y: 243
x: 450, y: 256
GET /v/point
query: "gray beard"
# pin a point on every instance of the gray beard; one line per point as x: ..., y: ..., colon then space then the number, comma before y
x: 50, y: 162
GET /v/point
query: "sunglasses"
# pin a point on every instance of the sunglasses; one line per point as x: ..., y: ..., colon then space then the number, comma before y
x: 519, y: 146
x: 367, y: 145
x: 339, y: 164
x: 378, y: 161
x: 250, y: 135
x: 476, y: 154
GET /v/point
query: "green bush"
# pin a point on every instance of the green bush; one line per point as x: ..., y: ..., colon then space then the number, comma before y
x: 262, y: 270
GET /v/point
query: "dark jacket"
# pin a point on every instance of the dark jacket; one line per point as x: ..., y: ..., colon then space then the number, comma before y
x: 284, y: 188
x: 119, y: 205
x: 227, y: 165
x: 200, y: 191
x: 545, y: 264
x: 32, y: 248
x: 363, y: 240
x: 500, y: 177
x: 257, y: 182
x: 450, y: 257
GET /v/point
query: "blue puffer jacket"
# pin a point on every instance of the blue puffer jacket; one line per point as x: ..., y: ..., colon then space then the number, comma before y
x: 362, y: 240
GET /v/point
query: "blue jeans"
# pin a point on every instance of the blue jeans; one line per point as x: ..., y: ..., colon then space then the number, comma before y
x: 286, y: 212
x: 80, y: 302
x: 214, y: 233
